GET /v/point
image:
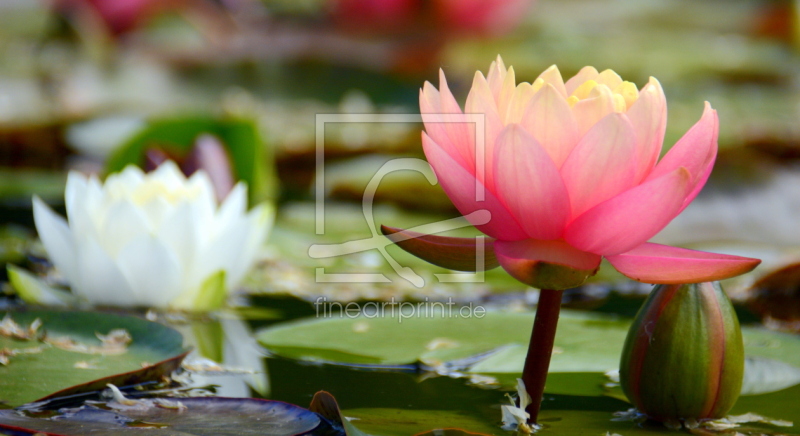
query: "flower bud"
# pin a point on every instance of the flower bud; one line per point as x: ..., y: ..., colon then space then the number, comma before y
x: 684, y: 356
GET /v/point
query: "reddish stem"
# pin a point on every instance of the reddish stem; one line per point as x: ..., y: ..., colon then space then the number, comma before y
x: 537, y: 362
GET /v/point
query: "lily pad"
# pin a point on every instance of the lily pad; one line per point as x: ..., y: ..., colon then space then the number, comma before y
x: 213, y: 416
x: 41, y: 370
x: 395, y: 421
x: 762, y: 375
x: 399, y: 422
x: 493, y: 344
x: 582, y: 341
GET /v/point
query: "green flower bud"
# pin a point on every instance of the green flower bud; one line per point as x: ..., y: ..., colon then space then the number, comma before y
x: 684, y: 356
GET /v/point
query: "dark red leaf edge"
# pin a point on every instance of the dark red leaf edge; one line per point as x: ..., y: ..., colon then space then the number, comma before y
x: 23, y: 431
x: 149, y: 373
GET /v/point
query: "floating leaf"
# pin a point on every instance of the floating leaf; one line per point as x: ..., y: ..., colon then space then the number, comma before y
x: 495, y: 344
x: 154, y: 350
x: 762, y: 375
x: 393, y: 421
x: 436, y: 339
x: 212, y: 416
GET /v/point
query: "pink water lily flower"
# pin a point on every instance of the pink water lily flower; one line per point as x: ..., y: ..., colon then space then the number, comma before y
x: 571, y: 174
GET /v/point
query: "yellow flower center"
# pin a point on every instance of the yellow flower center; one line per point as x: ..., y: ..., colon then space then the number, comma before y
x: 623, y: 93
x: 152, y: 189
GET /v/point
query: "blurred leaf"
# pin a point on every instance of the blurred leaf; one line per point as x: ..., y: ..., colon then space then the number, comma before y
x: 22, y: 184
x: 155, y: 350
x: 35, y: 291
x: 252, y: 159
x: 14, y: 243
x: 762, y: 375
x: 776, y: 297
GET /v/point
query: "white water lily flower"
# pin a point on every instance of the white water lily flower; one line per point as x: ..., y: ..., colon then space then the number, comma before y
x: 154, y: 239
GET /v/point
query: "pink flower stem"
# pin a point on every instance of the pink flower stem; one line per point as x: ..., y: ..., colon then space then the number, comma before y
x: 537, y: 362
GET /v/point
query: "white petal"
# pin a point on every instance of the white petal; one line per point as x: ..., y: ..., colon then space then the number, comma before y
x: 129, y: 178
x: 222, y: 253
x: 81, y: 196
x: 179, y: 233
x: 57, y: 238
x: 169, y: 174
x: 100, y: 280
x: 75, y: 191
x: 152, y: 270
x: 157, y: 209
x: 123, y: 222
x: 259, y: 221
x: 201, y: 183
x: 235, y: 203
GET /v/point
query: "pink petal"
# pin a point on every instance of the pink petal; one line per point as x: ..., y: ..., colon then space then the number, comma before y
x: 549, y: 119
x: 553, y: 77
x: 530, y: 185
x: 586, y: 73
x: 701, y: 181
x: 694, y: 150
x: 589, y: 111
x: 709, y: 166
x: 631, y: 218
x: 460, y: 185
x: 462, y: 134
x: 479, y: 101
x: 430, y: 108
x: 655, y: 263
x: 430, y: 104
x: 559, y: 252
x: 602, y: 165
x: 648, y: 115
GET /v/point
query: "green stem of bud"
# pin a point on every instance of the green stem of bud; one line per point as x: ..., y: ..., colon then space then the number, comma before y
x: 540, y: 349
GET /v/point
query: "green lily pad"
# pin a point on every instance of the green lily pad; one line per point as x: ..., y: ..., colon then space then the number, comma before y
x: 493, y: 344
x: 439, y: 339
x: 399, y: 422
x: 38, y: 370
x: 251, y: 159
